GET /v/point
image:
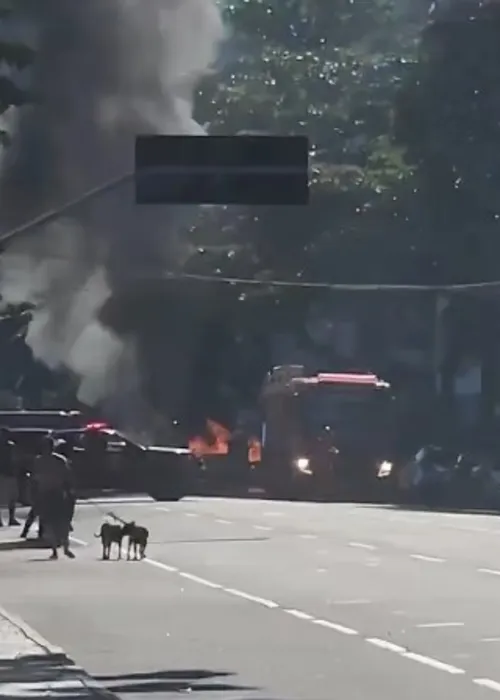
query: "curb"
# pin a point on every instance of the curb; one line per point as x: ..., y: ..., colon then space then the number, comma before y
x: 93, y: 688
x: 32, y: 634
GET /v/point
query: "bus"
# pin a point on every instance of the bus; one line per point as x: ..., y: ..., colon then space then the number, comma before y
x: 329, y: 435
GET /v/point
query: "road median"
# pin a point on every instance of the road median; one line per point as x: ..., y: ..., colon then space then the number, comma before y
x: 31, y: 667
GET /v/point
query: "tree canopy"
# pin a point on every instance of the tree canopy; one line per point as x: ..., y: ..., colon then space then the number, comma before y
x: 400, y: 107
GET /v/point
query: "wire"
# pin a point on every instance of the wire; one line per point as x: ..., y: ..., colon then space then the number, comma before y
x: 112, y: 184
x: 336, y: 287
x: 55, y: 213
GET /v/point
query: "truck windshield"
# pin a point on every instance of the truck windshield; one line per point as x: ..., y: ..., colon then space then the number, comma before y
x: 346, y: 410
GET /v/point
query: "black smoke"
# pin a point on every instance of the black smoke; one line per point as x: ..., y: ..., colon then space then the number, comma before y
x: 105, y: 71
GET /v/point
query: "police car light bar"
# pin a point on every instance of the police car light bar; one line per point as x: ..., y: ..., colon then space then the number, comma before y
x: 96, y: 426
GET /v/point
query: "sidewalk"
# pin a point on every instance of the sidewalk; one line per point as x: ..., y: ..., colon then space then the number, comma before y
x: 30, y: 667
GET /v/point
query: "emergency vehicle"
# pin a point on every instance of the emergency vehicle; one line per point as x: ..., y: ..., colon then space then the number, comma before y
x: 101, y: 457
x: 326, y: 435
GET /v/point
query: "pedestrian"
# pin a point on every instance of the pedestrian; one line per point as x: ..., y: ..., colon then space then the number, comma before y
x: 33, y: 513
x: 9, y: 485
x: 54, y: 497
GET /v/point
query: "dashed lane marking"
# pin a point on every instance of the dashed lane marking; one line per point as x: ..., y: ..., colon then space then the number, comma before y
x: 308, y: 537
x: 251, y: 598
x: 434, y: 663
x: 432, y: 625
x: 424, y: 557
x: 335, y: 626
x: 265, y: 528
x: 382, y: 644
x: 222, y: 522
x: 199, y: 579
x: 192, y: 515
x: 489, y: 640
x: 161, y: 565
x: 362, y: 545
x: 299, y: 614
x: 492, y: 572
x: 356, y: 601
x: 487, y: 683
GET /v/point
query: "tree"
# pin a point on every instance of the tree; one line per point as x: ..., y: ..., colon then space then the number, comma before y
x: 329, y: 69
x: 447, y: 122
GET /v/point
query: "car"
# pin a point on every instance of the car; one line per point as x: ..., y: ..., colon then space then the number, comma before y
x: 102, y: 457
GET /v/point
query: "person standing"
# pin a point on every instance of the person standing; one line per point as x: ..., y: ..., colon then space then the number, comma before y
x: 9, y: 487
x: 54, y: 497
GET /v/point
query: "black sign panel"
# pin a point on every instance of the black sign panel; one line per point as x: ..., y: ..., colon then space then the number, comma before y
x: 242, y: 170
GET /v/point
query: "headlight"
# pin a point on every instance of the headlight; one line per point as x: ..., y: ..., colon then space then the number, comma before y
x: 302, y: 464
x: 384, y: 469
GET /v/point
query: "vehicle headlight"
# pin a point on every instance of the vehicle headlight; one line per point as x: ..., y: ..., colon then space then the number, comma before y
x: 385, y: 469
x: 302, y: 464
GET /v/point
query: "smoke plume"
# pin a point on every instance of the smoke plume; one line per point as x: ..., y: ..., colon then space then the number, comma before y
x: 105, y: 71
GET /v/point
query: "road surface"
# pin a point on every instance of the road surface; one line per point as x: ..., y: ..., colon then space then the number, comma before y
x: 262, y: 600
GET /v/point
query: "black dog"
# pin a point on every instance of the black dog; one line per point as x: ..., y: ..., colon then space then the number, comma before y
x: 138, y: 537
x: 110, y: 534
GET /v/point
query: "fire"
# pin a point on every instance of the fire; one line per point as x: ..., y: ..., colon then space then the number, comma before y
x: 216, y: 442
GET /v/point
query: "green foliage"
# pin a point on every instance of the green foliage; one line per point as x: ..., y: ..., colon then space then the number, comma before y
x: 447, y: 119
x: 330, y: 69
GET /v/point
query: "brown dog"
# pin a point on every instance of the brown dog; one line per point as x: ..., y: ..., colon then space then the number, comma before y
x: 138, y: 537
x: 109, y: 535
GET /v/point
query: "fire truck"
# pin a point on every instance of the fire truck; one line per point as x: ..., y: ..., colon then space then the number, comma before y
x: 327, y: 435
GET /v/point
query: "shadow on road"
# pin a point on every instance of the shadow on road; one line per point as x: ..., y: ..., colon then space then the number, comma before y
x: 212, y: 540
x: 183, y: 681
x: 9, y: 545
x: 428, y: 509
x: 50, y: 675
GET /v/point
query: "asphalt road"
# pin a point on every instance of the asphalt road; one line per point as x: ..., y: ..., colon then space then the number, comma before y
x: 254, y: 600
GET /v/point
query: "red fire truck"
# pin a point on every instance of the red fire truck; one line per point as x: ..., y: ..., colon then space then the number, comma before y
x: 327, y: 435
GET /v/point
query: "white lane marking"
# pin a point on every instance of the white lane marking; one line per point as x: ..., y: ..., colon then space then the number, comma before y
x: 432, y: 625
x: 493, y: 572
x: 273, y: 514
x: 161, y: 565
x: 77, y: 541
x: 424, y: 557
x: 308, y: 537
x: 383, y: 644
x: 321, y: 571
x: 164, y: 509
x: 362, y: 545
x: 374, y: 641
x: 487, y: 683
x: 198, y: 579
x: 434, y: 663
x: 299, y: 614
x: 358, y: 601
x: 191, y: 515
x: 222, y: 522
x: 263, y: 527
x: 336, y: 627
x: 490, y: 639
x: 30, y: 634
x: 252, y: 598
